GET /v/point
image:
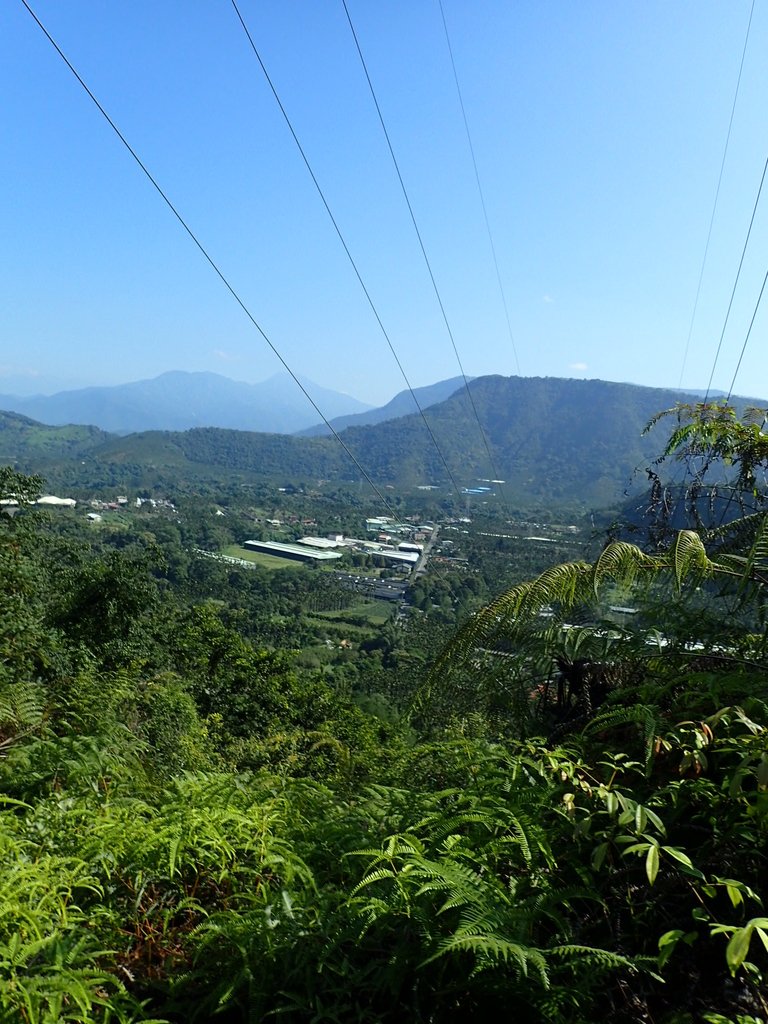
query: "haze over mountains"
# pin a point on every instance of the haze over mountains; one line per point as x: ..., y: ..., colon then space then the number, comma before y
x: 550, y: 439
x: 179, y: 400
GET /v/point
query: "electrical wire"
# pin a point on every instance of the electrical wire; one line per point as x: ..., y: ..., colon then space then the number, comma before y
x: 480, y: 189
x: 736, y: 281
x: 384, y: 501
x: 209, y: 259
x: 717, y: 195
x: 746, y: 339
x: 345, y: 246
x: 376, y: 490
x: 483, y: 435
x: 733, y: 384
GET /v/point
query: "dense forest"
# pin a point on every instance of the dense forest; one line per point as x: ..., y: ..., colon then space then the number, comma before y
x: 548, y: 802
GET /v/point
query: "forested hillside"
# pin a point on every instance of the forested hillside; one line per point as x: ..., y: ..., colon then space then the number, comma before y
x: 403, y: 404
x: 560, y: 817
x: 549, y: 439
x: 24, y: 441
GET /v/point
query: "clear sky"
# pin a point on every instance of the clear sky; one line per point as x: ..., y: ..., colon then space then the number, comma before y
x: 598, y: 129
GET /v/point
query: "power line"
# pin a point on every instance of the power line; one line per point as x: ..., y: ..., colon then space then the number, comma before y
x: 717, y: 195
x: 746, y: 340
x: 384, y: 501
x: 208, y: 257
x: 344, y: 245
x: 480, y: 189
x: 733, y: 383
x: 736, y: 281
x: 421, y: 244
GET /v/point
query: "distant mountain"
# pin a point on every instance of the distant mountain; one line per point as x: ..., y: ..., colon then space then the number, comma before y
x: 715, y: 396
x: 179, y: 401
x: 402, y: 404
x: 552, y: 441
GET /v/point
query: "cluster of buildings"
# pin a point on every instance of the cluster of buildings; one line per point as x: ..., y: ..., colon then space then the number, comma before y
x: 121, y: 501
x: 399, y: 544
x: 296, y: 552
x: 50, y: 500
x: 333, y: 547
x: 110, y: 506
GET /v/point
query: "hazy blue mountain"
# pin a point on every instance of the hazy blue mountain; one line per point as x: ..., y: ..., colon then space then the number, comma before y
x: 716, y: 396
x: 402, y: 404
x: 178, y: 401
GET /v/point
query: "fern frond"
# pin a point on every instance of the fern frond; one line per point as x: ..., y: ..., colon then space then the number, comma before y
x: 675, y: 410
x: 758, y: 552
x: 495, y: 949
x: 596, y: 957
x: 621, y: 562
x: 563, y: 584
x: 689, y: 557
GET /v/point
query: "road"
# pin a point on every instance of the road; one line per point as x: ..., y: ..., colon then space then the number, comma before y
x: 421, y: 565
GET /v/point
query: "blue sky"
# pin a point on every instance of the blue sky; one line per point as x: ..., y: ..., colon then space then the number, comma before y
x: 598, y: 130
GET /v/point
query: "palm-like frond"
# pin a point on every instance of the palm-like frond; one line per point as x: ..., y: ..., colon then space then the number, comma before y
x: 757, y: 556
x: 508, y: 643
x: 490, y: 950
x: 689, y: 559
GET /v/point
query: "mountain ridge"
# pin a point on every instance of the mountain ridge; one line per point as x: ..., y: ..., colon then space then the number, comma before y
x: 403, y: 404
x: 181, y: 400
x: 552, y: 440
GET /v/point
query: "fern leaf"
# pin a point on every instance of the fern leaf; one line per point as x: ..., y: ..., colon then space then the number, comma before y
x: 689, y: 556
x: 597, y: 957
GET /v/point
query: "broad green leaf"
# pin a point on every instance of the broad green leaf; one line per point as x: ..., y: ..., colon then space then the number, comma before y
x: 652, y: 863
x: 734, y: 895
x: 667, y: 944
x: 737, y: 949
x: 653, y: 817
x: 637, y: 848
x: 678, y: 855
x: 598, y: 856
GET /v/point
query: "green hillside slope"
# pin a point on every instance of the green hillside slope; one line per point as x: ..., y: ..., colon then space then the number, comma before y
x: 550, y: 439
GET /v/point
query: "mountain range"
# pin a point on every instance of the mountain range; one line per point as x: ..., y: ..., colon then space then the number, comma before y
x: 551, y: 441
x: 179, y: 400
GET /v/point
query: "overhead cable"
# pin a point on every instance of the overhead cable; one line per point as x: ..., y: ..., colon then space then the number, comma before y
x: 209, y: 259
x: 733, y: 384
x: 746, y: 339
x: 494, y: 471
x: 736, y: 281
x: 717, y: 195
x: 480, y: 190
x: 345, y: 246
